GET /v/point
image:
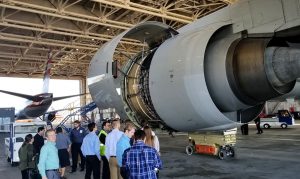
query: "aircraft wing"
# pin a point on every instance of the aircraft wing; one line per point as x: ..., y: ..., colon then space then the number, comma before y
x: 64, y: 97
x: 29, y: 97
x: 58, y: 110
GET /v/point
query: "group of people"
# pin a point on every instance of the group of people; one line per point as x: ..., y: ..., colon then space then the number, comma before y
x: 115, y: 154
x: 29, y: 154
x: 49, y: 158
x: 131, y: 153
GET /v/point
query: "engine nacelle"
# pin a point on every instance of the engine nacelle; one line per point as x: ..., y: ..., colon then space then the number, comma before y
x: 208, y: 75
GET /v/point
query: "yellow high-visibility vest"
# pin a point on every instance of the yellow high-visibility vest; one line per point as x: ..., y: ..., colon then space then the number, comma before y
x: 102, y: 146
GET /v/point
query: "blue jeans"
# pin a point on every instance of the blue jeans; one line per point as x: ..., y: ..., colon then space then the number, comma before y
x: 52, y: 174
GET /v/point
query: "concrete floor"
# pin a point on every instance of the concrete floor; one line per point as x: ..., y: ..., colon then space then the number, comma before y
x: 272, y: 155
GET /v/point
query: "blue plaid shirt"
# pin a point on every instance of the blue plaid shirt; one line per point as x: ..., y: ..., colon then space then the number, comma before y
x: 141, y: 160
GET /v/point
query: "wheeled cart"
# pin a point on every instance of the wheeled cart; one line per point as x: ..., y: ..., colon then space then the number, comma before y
x: 219, y: 144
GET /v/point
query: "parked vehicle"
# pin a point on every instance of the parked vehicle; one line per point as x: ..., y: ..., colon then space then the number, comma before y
x: 281, y: 119
x: 18, y: 130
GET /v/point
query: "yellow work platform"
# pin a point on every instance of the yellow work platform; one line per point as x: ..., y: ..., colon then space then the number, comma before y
x: 213, y: 143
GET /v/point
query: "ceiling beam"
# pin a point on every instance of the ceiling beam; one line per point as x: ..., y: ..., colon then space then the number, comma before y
x: 159, y: 12
x: 38, y: 9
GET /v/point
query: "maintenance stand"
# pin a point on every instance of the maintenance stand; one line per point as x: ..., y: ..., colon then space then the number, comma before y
x: 219, y: 144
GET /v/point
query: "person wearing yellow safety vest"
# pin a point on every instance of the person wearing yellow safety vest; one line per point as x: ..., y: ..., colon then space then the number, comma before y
x: 106, y: 127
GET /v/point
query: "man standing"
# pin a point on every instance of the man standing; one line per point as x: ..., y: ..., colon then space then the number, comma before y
x: 49, y: 162
x: 124, y: 142
x: 257, y: 123
x: 102, y: 136
x: 77, y: 134
x: 91, y: 151
x: 110, y: 152
x: 39, y: 140
x: 141, y: 160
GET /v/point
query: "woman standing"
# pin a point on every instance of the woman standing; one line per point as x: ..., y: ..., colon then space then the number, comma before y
x: 26, y: 156
x: 151, y: 140
x: 63, y: 144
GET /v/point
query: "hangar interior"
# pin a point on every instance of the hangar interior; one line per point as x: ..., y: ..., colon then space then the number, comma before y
x: 73, y: 30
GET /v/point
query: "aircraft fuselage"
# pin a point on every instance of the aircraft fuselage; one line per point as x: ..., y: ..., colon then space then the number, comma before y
x: 36, y: 108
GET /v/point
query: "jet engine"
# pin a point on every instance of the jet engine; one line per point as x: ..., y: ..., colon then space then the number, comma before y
x: 208, y: 75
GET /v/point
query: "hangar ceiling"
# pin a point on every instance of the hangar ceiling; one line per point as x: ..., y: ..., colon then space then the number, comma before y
x: 71, y: 31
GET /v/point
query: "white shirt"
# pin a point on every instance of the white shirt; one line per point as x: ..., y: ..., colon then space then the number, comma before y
x: 111, y: 142
x: 156, y: 144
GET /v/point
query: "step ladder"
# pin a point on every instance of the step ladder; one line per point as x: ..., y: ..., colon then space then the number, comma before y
x: 81, y: 111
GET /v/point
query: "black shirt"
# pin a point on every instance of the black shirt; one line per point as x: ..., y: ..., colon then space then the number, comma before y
x: 102, y: 138
x: 257, y: 120
x: 38, y: 143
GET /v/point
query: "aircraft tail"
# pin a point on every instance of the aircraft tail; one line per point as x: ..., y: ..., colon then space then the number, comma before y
x: 46, y: 78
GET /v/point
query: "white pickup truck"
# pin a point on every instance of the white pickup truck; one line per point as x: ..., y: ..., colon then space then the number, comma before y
x: 18, y: 131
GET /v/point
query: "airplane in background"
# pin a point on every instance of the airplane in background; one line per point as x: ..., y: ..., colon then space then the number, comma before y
x: 37, y: 105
